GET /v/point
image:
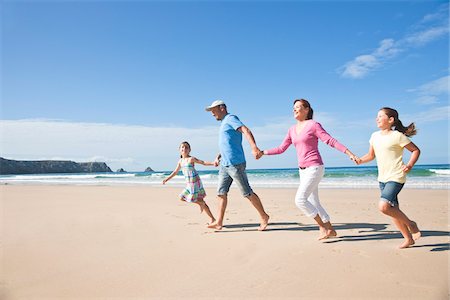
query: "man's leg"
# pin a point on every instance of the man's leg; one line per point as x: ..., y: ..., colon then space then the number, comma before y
x: 223, y: 201
x: 224, y: 184
x: 254, y: 199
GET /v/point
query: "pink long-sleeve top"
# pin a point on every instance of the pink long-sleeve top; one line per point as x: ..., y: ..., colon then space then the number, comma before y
x: 306, y: 144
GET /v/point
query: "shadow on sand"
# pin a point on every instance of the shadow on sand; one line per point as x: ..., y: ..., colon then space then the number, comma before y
x: 366, y: 232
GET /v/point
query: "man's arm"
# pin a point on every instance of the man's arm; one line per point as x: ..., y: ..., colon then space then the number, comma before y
x: 251, y: 140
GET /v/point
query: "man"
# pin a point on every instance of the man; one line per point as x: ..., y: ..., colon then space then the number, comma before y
x: 232, y: 162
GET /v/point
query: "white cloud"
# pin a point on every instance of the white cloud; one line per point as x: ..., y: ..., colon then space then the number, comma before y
x: 388, y: 49
x: 360, y: 66
x: 424, y: 37
x: 432, y: 115
x: 426, y: 100
x: 429, y: 93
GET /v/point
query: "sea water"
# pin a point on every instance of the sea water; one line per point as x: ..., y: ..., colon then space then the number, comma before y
x: 420, y: 177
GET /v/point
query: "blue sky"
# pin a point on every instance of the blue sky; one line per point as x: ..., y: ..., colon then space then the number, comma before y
x: 125, y: 82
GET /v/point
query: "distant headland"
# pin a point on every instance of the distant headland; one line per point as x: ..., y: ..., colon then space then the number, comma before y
x: 8, y: 166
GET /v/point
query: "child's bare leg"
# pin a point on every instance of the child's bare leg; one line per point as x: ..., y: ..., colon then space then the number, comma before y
x: 396, y: 213
x: 409, y: 241
x: 200, y: 205
x: 401, y: 221
x: 415, y: 231
x: 205, y: 207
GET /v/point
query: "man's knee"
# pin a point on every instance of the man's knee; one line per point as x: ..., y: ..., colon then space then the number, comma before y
x: 222, y: 197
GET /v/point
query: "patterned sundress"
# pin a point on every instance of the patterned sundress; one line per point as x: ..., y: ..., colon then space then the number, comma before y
x: 194, y: 188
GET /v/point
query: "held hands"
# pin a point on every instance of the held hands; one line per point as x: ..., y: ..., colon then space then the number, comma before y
x: 257, y: 153
x: 355, y: 159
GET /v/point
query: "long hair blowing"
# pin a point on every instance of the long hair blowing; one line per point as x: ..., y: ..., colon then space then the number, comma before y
x: 409, y: 130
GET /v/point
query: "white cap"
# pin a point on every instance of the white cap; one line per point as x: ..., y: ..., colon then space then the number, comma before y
x: 214, y: 104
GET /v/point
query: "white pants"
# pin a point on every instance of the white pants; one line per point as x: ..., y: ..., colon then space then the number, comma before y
x: 307, y: 197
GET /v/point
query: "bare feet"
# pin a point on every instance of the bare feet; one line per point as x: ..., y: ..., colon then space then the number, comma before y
x: 215, y: 225
x: 264, y: 223
x: 406, y: 244
x: 211, y: 222
x: 415, y: 232
x: 326, y: 233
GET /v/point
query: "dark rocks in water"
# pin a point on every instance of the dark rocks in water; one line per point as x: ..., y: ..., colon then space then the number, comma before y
x: 149, y: 170
x: 8, y: 166
x: 121, y: 170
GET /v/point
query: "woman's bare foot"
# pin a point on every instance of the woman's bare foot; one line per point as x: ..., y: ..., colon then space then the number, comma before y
x: 264, y: 223
x: 211, y: 222
x: 406, y: 244
x: 332, y: 233
x: 415, y: 232
x: 215, y: 225
x: 326, y: 233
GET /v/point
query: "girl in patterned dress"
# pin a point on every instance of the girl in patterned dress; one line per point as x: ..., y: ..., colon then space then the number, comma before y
x: 194, y: 191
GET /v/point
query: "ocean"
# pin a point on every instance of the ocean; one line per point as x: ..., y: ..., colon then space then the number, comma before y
x: 421, y: 177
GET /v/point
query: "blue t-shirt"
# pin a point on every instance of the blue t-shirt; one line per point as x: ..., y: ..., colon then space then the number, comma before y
x: 230, y: 141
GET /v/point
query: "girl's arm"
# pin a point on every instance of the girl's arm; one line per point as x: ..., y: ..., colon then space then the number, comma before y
x: 205, y: 163
x: 367, y: 157
x: 415, y: 153
x: 175, y: 172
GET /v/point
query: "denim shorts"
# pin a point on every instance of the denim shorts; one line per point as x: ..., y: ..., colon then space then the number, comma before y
x: 230, y: 173
x: 390, y: 191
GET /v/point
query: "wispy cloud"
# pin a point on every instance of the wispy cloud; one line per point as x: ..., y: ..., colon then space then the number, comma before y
x: 432, y: 115
x: 429, y: 93
x: 429, y: 29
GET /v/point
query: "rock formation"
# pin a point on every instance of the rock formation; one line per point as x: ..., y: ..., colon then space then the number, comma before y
x: 8, y: 166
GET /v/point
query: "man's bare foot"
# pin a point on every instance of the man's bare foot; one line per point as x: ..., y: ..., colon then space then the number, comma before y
x: 264, y: 223
x: 215, y: 225
x: 415, y: 232
x: 406, y: 244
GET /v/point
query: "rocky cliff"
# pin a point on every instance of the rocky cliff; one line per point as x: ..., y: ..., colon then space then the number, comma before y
x: 8, y: 166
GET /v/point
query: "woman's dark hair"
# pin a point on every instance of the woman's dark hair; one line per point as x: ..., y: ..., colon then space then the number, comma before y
x: 306, y: 104
x: 186, y: 144
x: 409, y: 130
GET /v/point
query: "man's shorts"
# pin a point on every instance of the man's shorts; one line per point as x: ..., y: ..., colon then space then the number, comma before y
x: 230, y: 173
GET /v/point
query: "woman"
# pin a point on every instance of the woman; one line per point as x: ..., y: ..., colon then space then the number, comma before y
x: 305, y: 135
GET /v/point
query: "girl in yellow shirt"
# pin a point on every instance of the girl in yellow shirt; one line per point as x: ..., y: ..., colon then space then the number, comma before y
x: 387, y: 146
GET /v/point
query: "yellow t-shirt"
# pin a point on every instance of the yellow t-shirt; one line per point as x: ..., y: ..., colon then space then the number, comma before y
x: 389, y: 153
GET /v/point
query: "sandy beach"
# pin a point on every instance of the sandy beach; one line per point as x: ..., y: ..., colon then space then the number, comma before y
x: 116, y: 242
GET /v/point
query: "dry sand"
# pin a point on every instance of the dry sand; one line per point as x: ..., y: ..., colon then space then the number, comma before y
x: 71, y: 242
